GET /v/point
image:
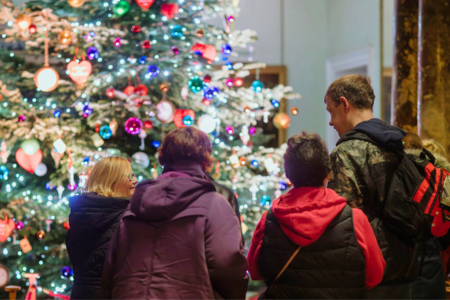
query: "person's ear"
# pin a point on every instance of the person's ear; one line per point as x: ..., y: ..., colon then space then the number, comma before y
x: 345, y: 103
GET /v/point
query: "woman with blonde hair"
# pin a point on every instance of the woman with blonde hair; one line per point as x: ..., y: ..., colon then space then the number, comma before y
x: 94, y: 216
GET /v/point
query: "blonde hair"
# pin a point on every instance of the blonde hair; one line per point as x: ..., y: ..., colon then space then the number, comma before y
x: 434, y: 147
x: 105, y: 175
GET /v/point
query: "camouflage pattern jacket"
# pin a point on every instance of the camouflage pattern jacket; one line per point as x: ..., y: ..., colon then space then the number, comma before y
x: 361, y: 169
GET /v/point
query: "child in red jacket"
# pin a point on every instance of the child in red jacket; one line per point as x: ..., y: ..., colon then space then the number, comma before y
x: 311, y: 244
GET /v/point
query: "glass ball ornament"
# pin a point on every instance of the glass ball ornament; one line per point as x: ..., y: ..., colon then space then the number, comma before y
x: 207, y: 123
x: 153, y: 70
x: 175, y: 50
x: 133, y: 126
x: 199, y: 33
x: 238, y: 82
x: 110, y: 92
x: 294, y: 111
x: 46, y: 79
x: 231, y: 19
x: 49, y: 186
x: 206, y: 102
x: 21, y: 118
x: 117, y: 42
x: 92, y: 53
x: 265, y: 200
x: 255, y: 163
x: 207, y: 78
x: 229, y: 65
x: 23, y: 21
x: 57, y: 113
x: 257, y: 86
x: 19, y: 225
x: 188, y: 120
x: 164, y: 87
x: 30, y: 146
x: 177, y: 31
x: 252, y: 130
x: 66, y: 272
x: 226, y: 49
x: 65, y: 37
x: 87, y: 110
x: 72, y: 187
x: 105, y: 132
x: 229, y: 82
x: 156, y: 144
x: 275, y: 103
x: 32, y: 29
x: 229, y: 130
x: 121, y: 8
x: 66, y: 225
x: 75, y: 3
x: 148, y: 124
x: 40, y: 234
x: 242, y: 161
x: 4, y: 172
x: 146, y: 44
x: 195, y: 84
x: 281, y: 120
x: 136, y: 28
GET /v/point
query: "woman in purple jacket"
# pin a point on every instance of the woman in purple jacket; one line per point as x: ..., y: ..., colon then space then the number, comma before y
x: 179, y: 239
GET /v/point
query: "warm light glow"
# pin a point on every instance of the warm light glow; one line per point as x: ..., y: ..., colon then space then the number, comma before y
x: 65, y: 37
x: 23, y: 21
x: 75, y: 3
x: 46, y: 79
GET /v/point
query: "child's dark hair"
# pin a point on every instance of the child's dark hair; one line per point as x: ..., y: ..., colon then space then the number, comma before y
x: 306, y: 160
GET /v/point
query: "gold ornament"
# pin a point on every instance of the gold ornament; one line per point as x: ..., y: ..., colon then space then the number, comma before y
x: 164, y: 87
x: 65, y: 37
x: 23, y: 21
x: 40, y: 234
x: 75, y: 3
x: 281, y: 121
x: 46, y: 79
x: 294, y: 111
x: 199, y: 33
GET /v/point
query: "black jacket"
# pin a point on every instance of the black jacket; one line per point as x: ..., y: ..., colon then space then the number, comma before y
x: 93, y: 220
x: 229, y: 195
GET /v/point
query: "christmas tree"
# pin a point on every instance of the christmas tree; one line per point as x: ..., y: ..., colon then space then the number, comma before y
x: 95, y: 78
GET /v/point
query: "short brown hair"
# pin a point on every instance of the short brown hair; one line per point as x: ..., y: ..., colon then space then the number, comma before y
x: 187, y: 143
x: 434, y: 147
x: 412, y: 141
x: 306, y: 160
x: 355, y: 88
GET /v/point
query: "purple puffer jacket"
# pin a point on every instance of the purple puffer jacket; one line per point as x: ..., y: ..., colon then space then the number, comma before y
x: 179, y: 239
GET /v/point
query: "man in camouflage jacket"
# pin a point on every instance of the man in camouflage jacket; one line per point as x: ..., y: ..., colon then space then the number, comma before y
x: 361, y: 169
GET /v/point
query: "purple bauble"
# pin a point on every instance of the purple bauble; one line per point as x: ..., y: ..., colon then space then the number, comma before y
x: 133, y: 126
x: 19, y: 225
x: 66, y: 272
x: 72, y: 187
x: 252, y: 130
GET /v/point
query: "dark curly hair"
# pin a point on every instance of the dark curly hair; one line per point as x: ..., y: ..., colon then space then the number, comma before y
x: 306, y: 160
x: 355, y: 88
x: 187, y: 143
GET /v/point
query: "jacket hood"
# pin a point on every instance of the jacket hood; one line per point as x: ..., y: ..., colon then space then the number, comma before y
x: 170, y: 194
x: 304, y: 213
x: 379, y: 133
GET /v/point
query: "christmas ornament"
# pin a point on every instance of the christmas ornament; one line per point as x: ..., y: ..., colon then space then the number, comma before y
x: 32, y: 29
x: 177, y: 31
x: 257, y: 86
x: 195, y: 84
x: 199, y: 33
x: 113, y: 125
x: 265, y: 200
x: 229, y: 130
x: 242, y: 161
x: 145, y: 4
x: 66, y: 225
x: 165, y: 111
x: 141, y: 90
x: 46, y: 79
x: 294, y: 111
x: 105, y: 132
x: 234, y: 160
x: 211, y: 92
x: 40, y: 234
x: 136, y: 28
x: 255, y: 163
x: 92, y: 53
x: 148, y: 124
x: 281, y: 121
x: 79, y: 72
x: 142, y: 60
x: 229, y: 65
x: 117, y: 42
x: 180, y: 114
x: 59, y: 146
x: 146, y: 44
x: 3, y: 152
x: 141, y: 158
x: 87, y: 111
x: 110, y: 92
x: 40, y: 170
x: 129, y: 90
x: 230, y: 19
x: 60, y: 189
x: 229, y: 82
x: 21, y: 118
x: 75, y: 3
x: 121, y: 8
x: 4, y: 172
x: 133, y: 126
x: 28, y: 162
x: 269, y: 164
x: 48, y: 222
x: 142, y: 135
x: 49, y: 186
x: 65, y: 37
x: 164, y: 87
x: 175, y: 50
x: 23, y: 21
x: 188, y: 121
x: 85, y: 161
x: 153, y: 70
x: 57, y: 113
x: 19, y: 225
x: 56, y: 157
x: 156, y: 144
x: 72, y: 186
x: 170, y: 10
x: 97, y: 140
x: 66, y: 272
x: 208, y: 52
x: 184, y: 92
x: 206, y: 102
x: 226, y: 49
x: 275, y: 103
x: 207, y: 78
x: 238, y: 82
x: 245, y: 137
x: 252, y: 130
x: 88, y: 38
x: 30, y: 146
x: 6, y: 228
x: 207, y: 123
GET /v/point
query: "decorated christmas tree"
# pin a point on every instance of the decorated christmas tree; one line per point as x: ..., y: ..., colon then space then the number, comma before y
x: 95, y: 78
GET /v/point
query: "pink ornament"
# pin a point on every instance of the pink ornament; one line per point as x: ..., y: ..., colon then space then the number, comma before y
x: 229, y: 130
x: 21, y: 118
x: 110, y: 92
x: 117, y: 42
x: 230, y: 19
x: 175, y: 50
x: 252, y: 131
x: 72, y: 187
x: 133, y: 126
x: 229, y: 82
x: 19, y: 225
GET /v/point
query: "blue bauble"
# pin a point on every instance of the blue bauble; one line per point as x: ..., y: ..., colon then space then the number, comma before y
x: 57, y: 113
x: 229, y: 65
x: 156, y: 144
x: 283, y: 185
x: 255, y: 163
x: 226, y: 49
x: 87, y: 110
x: 92, y: 53
x: 257, y: 86
x: 153, y: 70
x: 188, y: 121
x: 4, y: 173
x: 265, y: 200
x: 49, y: 186
x: 275, y: 103
x: 143, y: 60
x: 105, y: 132
x: 210, y: 93
x: 86, y: 161
x: 177, y: 31
x: 66, y: 272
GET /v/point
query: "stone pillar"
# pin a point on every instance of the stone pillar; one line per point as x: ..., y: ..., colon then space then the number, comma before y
x: 404, y: 71
x: 434, y: 71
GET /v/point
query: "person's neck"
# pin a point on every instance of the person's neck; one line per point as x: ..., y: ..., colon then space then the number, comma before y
x: 362, y: 116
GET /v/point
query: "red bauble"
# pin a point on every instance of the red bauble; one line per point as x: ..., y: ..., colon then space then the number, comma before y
x: 207, y: 79
x: 110, y: 92
x: 180, y: 114
x: 138, y: 102
x: 32, y: 29
x: 206, y: 102
x: 97, y: 127
x: 208, y: 52
x: 136, y: 28
x: 148, y: 124
x: 238, y: 82
x: 170, y: 10
x: 129, y: 90
x: 66, y: 225
x: 141, y: 90
x: 146, y: 44
x: 145, y: 4
x: 28, y: 162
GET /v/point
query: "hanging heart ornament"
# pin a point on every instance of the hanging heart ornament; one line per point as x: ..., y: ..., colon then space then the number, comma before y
x: 28, y: 162
x: 79, y: 72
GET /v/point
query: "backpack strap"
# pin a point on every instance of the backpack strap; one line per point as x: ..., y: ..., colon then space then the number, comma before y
x: 287, y: 264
